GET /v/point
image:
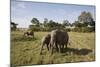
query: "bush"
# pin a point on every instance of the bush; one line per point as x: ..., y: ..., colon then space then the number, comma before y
x: 67, y: 29
x: 76, y: 29
x: 84, y: 29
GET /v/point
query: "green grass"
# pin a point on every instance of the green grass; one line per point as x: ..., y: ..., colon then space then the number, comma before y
x: 25, y: 51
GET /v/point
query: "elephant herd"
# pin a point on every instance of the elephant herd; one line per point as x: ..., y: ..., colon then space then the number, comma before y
x: 56, y: 40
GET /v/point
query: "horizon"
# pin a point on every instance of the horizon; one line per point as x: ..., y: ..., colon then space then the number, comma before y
x: 22, y: 12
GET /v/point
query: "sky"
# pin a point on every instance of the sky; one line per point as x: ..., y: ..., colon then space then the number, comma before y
x: 23, y: 11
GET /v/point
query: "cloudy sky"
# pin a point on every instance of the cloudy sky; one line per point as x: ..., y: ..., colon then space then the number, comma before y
x: 23, y: 12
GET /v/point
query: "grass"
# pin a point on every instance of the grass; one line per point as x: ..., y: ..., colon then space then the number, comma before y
x: 25, y: 51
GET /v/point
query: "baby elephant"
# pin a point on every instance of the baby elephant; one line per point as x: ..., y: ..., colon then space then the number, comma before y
x: 45, y: 41
x: 29, y: 33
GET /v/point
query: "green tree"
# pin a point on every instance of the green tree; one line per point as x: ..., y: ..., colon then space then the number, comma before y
x: 52, y: 23
x: 86, y: 18
x: 66, y: 23
x: 35, y: 21
x: 45, y: 22
x: 13, y: 26
x: 77, y: 24
x: 92, y: 23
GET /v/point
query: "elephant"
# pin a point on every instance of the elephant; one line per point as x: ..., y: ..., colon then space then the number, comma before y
x: 45, y: 41
x: 29, y: 33
x: 59, y: 38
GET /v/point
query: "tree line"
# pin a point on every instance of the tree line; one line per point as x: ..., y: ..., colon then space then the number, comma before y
x: 85, y: 23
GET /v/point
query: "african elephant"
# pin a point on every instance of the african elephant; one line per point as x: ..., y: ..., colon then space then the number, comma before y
x: 58, y: 39
x: 29, y: 33
x: 45, y: 41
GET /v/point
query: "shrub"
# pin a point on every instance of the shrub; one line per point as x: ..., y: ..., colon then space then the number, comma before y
x: 67, y: 29
x: 84, y: 29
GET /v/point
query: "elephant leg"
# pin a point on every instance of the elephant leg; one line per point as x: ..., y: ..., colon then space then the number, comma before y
x: 62, y: 47
x: 41, y: 48
x: 52, y: 47
x: 66, y: 45
x: 48, y: 47
x: 57, y: 49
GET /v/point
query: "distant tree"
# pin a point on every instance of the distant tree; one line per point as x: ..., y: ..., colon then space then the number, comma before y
x: 92, y: 23
x: 77, y: 24
x: 85, y: 23
x: 51, y: 23
x: 45, y: 22
x: 35, y: 21
x: 13, y: 26
x: 66, y: 23
x: 86, y: 18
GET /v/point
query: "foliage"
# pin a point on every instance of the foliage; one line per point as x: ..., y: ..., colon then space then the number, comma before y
x: 34, y: 28
x: 46, y: 26
x: 67, y: 29
x: 66, y: 23
x: 45, y: 22
x: 84, y: 29
x: 85, y: 19
x: 35, y: 21
x: 13, y: 26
